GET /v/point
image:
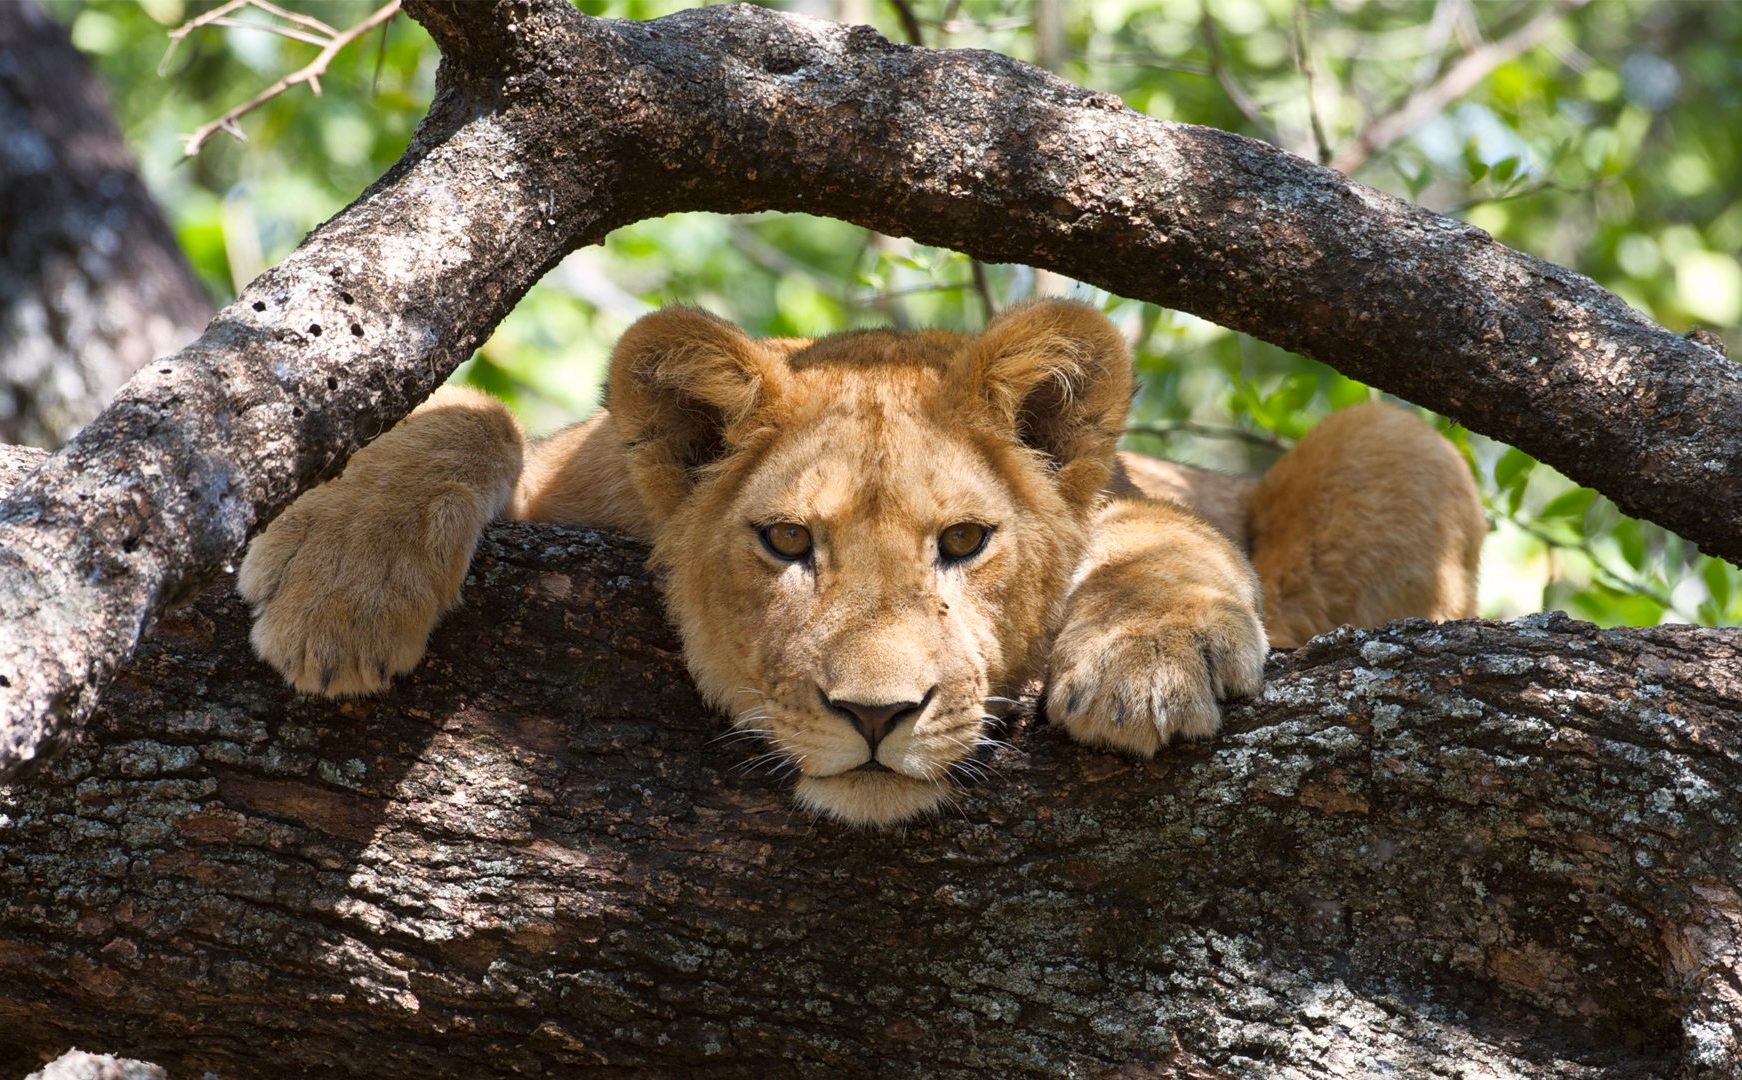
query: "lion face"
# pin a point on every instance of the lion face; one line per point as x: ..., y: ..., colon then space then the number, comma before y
x: 865, y: 539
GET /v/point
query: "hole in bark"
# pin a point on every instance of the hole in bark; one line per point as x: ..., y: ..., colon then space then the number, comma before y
x: 315, y: 329
x: 163, y: 371
x: 259, y: 305
x: 4, y: 681
x: 332, y: 383
x: 346, y: 297
x: 130, y: 545
x: 782, y: 63
x: 356, y: 331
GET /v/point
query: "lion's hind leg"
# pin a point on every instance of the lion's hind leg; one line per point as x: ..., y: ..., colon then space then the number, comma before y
x: 1372, y: 516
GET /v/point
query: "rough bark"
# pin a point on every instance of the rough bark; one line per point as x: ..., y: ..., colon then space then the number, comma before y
x: 550, y: 128
x: 92, y: 282
x: 1426, y: 849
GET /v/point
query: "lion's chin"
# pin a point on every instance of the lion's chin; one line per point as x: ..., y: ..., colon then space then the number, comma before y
x: 870, y: 799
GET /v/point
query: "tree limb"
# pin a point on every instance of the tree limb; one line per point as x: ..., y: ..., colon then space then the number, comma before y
x: 550, y: 128
x: 1508, y: 845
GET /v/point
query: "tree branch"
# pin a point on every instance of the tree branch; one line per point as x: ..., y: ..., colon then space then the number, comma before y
x: 1508, y: 845
x: 550, y: 128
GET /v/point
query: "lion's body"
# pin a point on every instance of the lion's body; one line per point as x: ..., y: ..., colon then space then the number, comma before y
x: 869, y: 661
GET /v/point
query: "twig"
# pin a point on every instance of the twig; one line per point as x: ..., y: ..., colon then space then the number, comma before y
x: 1457, y: 81
x: 1613, y: 578
x: 1303, y: 58
x: 983, y: 288
x: 1209, y: 431
x: 1143, y: 61
x: 220, y: 16
x: 776, y: 261
x: 1448, y: 21
x: 984, y: 26
x: 380, y: 60
x: 1237, y: 95
x: 296, y: 17
x: 1049, y: 35
x: 1524, y: 192
x: 909, y: 22
x: 290, y: 32
x: 876, y: 296
x: 310, y: 73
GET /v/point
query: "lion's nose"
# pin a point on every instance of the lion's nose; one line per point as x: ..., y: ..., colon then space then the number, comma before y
x: 876, y: 721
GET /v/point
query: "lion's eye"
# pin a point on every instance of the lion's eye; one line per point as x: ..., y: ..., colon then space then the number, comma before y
x: 786, y: 539
x: 962, y: 541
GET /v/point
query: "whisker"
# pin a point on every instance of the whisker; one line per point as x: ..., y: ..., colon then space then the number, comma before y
x: 772, y: 760
x: 963, y: 770
x: 975, y: 771
x: 952, y: 802
x: 737, y: 734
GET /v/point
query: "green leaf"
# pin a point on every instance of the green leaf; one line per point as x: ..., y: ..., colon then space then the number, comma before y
x: 1345, y: 392
x: 1473, y: 163
x: 1720, y: 581
x: 1513, y: 464
x: 1630, y: 538
x: 1416, y: 176
x: 1294, y: 395
x: 1514, y: 500
x: 1569, y: 504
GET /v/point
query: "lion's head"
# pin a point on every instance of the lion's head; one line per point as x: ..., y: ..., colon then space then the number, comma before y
x: 865, y: 538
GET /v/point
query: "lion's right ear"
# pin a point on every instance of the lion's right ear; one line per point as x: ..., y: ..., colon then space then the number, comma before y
x: 1057, y: 375
x: 682, y: 383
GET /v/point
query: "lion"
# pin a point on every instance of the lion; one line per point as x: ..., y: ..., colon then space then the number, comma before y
x: 870, y: 542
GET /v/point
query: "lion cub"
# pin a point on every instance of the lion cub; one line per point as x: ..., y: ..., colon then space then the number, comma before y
x: 867, y: 538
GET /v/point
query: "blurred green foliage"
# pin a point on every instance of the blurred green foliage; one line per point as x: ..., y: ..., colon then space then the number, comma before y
x: 1603, y: 137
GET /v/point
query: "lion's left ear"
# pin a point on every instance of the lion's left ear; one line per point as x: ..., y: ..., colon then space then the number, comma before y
x: 682, y: 382
x: 1058, y: 372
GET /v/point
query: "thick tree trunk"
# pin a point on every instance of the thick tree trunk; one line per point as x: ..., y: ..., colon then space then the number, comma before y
x: 550, y: 128
x: 1506, y: 849
x: 92, y: 283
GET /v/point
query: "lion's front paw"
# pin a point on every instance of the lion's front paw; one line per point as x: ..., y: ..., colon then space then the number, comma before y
x: 345, y: 590
x: 1134, y: 683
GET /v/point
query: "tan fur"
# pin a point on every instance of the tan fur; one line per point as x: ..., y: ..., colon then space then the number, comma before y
x: 348, y: 582
x: 1121, y: 580
x: 1371, y: 517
